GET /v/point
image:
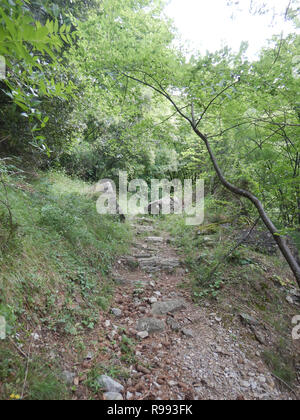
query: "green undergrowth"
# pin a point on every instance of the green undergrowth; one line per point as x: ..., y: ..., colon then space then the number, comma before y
x: 54, y: 270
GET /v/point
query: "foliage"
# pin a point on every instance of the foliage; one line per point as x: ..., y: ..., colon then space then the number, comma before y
x: 43, y: 382
x: 61, y: 244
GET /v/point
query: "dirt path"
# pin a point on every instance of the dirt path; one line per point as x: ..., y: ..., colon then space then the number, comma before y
x: 185, y: 351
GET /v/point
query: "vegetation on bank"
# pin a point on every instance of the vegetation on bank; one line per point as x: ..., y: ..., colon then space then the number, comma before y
x: 55, y: 271
x: 237, y: 278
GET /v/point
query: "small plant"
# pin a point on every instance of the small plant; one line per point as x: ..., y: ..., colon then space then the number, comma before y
x: 127, y: 348
x: 139, y: 288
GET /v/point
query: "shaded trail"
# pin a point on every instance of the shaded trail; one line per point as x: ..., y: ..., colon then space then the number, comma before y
x: 185, y: 351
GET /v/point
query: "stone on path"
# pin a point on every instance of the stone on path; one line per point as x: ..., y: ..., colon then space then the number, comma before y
x: 293, y: 297
x: 143, y: 334
x: 151, y: 325
x: 155, y: 264
x: 120, y: 281
x: 260, y: 337
x: 141, y: 256
x: 112, y: 396
x: 162, y: 308
x: 173, y: 324
x: 116, y: 312
x: 155, y: 239
x: 152, y: 300
x: 68, y: 377
x: 109, y: 384
x: 187, y: 333
x: 248, y: 320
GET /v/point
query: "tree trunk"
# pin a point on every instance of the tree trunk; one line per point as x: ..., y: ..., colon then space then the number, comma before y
x: 291, y: 260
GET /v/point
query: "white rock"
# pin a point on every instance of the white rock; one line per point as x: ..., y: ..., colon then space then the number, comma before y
x: 2, y: 328
x: 109, y: 384
x: 143, y: 334
x: 245, y: 384
x: 89, y: 356
x: 112, y: 396
x: 152, y: 300
x: 35, y: 336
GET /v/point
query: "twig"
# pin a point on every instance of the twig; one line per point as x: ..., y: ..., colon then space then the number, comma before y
x: 239, y: 243
x: 18, y: 348
x: 213, y: 100
x: 287, y: 385
x: 7, y: 205
x: 27, y: 367
x: 4, y: 138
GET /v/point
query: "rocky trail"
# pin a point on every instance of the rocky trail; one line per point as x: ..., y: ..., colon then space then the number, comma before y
x: 184, y: 351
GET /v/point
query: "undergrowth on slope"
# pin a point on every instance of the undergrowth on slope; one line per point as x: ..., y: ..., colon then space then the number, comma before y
x: 54, y: 272
x: 242, y: 281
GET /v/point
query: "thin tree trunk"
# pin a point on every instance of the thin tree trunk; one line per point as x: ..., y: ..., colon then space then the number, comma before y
x: 291, y: 260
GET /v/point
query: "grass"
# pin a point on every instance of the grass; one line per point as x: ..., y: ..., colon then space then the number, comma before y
x: 42, y: 382
x: 280, y: 365
x: 55, y: 270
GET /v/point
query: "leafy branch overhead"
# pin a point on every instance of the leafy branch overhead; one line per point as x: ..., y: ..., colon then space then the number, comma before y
x: 31, y: 49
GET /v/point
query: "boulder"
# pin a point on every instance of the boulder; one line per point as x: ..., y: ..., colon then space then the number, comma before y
x: 162, y: 308
x: 151, y: 325
x: 109, y: 384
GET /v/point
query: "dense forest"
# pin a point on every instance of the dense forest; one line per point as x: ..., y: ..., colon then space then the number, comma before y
x: 92, y: 88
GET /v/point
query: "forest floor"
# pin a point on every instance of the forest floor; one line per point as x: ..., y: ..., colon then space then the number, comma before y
x: 185, y: 351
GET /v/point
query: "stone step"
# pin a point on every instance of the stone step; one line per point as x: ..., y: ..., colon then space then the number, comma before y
x: 155, y: 239
x: 156, y: 264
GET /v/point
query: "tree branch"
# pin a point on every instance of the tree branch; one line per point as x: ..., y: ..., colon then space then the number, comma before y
x: 291, y: 260
x: 212, y: 101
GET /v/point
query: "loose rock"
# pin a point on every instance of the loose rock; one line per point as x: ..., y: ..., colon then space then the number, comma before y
x: 248, y: 320
x: 116, y: 312
x: 154, y: 239
x: 188, y: 333
x: 109, y: 384
x: 112, y: 396
x: 68, y: 377
x: 162, y: 308
x: 143, y: 334
x: 173, y: 324
x: 151, y: 325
